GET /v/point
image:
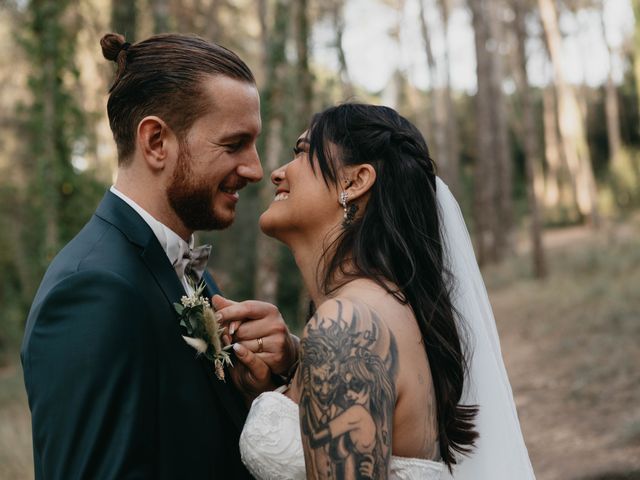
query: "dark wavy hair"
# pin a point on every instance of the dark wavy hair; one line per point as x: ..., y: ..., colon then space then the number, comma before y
x: 397, y: 240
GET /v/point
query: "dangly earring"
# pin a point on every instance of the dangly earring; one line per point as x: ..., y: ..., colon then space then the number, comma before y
x: 349, y: 210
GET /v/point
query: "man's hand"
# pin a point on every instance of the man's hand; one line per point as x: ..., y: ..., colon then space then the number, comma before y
x: 263, y: 344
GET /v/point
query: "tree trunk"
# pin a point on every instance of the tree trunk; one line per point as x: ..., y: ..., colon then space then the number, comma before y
x: 551, y: 148
x: 453, y: 141
x: 502, y: 153
x: 437, y: 105
x: 492, y: 175
x: 337, y: 11
x: 264, y: 31
x: 161, y: 11
x: 304, y: 109
x: 636, y: 49
x: 484, y: 177
x: 54, y: 124
x: 571, y: 122
x: 529, y: 135
x: 266, y: 281
x: 304, y: 78
x: 611, y: 102
x: 213, y: 32
x: 124, y: 18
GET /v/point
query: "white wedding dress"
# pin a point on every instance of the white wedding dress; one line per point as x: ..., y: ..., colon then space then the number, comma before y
x: 271, y: 446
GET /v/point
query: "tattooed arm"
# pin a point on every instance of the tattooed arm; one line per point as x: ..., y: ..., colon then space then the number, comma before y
x: 347, y: 384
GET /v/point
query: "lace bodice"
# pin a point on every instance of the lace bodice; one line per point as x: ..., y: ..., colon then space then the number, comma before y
x: 271, y: 446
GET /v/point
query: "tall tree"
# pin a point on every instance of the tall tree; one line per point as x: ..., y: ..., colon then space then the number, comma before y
x: 161, y: 13
x: 571, y: 123
x: 337, y: 13
x: 530, y: 138
x: 304, y: 110
x: 492, y: 168
x: 213, y: 31
x: 437, y: 105
x: 552, y: 149
x: 636, y: 48
x: 304, y: 78
x: 53, y: 117
x: 453, y: 142
x: 273, y: 94
x: 124, y: 14
x: 611, y: 99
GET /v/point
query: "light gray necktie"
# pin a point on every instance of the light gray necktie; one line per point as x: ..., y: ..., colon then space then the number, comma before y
x: 193, y: 263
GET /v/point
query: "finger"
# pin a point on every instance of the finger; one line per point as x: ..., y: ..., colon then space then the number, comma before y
x: 259, y: 370
x: 219, y: 302
x: 253, y: 329
x: 233, y: 315
x: 270, y: 355
x: 249, y: 309
x: 256, y: 345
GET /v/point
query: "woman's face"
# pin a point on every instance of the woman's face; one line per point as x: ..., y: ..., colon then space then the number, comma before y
x: 303, y: 205
x: 357, y: 392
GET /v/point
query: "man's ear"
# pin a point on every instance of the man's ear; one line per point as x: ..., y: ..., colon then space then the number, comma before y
x: 156, y: 142
x: 357, y: 180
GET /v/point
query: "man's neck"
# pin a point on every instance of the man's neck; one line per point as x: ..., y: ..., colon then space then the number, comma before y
x: 154, y: 202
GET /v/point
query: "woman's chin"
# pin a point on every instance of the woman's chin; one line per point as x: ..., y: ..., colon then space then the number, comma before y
x: 270, y: 225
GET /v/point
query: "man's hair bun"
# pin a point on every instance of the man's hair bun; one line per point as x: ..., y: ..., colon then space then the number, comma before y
x: 112, y: 44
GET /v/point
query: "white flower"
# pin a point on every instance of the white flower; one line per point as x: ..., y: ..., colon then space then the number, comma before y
x: 196, y: 316
x: 197, y: 343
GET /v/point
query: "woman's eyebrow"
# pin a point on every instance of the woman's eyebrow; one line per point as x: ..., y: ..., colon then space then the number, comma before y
x: 302, y: 142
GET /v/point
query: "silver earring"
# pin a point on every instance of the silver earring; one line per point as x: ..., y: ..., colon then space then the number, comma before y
x: 343, y: 201
x: 349, y: 210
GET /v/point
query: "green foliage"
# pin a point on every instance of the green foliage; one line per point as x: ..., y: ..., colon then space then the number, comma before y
x: 56, y: 200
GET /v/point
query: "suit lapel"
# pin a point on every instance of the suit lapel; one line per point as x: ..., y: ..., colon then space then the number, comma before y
x: 115, y: 211
x: 157, y: 261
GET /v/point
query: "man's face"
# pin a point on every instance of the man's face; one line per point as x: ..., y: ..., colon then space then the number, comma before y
x: 323, y: 382
x: 218, y: 156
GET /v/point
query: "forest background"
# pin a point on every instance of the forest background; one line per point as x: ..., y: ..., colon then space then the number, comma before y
x: 531, y: 111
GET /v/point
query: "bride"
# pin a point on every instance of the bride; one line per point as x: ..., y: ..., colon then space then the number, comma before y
x: 401, y: 374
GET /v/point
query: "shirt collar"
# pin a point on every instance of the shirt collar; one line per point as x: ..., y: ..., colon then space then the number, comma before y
x: 172, y: 244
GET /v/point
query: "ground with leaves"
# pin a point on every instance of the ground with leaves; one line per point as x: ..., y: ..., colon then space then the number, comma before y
x: 571, y: 345
x: 572, y: 348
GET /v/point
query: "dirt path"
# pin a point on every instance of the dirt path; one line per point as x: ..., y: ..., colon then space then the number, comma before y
x: 572, y: 349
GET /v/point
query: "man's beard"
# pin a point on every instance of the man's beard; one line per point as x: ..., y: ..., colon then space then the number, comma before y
x: 193, y: 200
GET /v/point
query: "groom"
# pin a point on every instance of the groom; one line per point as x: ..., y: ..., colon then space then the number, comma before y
x: 114, y: 389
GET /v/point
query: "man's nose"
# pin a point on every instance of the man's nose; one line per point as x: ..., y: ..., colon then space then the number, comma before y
x: 251, y: 169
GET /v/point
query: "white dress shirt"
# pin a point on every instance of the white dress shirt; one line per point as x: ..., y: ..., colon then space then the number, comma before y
x: 172, y: 244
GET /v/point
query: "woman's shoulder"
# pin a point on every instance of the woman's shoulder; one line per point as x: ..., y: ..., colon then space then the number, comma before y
x: 347, y: 325
x: 347, y: 309
x: 369, y: 302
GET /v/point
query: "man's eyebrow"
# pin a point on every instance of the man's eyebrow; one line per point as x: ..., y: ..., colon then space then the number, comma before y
x: 236, y: 137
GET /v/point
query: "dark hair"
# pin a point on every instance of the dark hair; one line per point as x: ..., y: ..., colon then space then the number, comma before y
x: 162, y: 76
x: 397, y: 239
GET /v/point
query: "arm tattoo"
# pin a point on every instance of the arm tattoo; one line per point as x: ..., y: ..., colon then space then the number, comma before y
x: 347, y: 383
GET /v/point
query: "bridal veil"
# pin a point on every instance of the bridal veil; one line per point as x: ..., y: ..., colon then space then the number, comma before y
x: 500, y: 452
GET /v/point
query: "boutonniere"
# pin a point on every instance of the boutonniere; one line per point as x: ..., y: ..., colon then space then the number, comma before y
x: 205, y: 334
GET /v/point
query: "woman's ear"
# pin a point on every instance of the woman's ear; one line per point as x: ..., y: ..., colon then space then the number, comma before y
x: 357, y: 180
x: 155, y: 141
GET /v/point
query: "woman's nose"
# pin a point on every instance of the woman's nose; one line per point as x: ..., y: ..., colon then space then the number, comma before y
x: 277, y: 176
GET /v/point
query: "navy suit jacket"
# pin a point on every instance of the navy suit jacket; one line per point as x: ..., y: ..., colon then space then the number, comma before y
x: 114, y: 391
